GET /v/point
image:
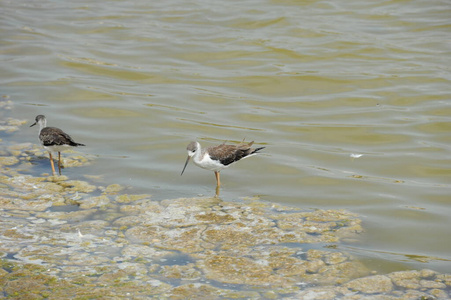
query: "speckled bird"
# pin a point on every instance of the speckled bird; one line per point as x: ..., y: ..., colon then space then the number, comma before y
x: 53, y: 140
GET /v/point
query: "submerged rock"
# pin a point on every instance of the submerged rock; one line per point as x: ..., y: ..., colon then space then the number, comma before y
x: 77, y: 186
x: 94, y: 202
x: 240, y: 270
x: 113, y: 189
x: 371, y: 285
x: 8, y: 160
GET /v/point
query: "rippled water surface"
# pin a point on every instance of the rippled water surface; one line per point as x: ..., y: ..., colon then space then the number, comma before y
x: 351, y: 99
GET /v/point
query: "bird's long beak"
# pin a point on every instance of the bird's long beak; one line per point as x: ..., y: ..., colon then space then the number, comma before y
x: 33, y: 124
x: 187, y: 160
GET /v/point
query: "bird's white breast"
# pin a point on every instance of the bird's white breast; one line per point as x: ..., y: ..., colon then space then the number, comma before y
x: 207, y: 163
x: 57, y: 148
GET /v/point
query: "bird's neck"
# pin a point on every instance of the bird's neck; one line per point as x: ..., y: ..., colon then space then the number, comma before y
x: 198, y: 155
x: 42, y: 124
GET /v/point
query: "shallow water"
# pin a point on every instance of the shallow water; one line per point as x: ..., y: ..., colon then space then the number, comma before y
x: 314, y: 82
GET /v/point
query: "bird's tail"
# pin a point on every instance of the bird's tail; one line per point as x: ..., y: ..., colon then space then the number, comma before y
x: 257, y: 149
x: 77, y: 144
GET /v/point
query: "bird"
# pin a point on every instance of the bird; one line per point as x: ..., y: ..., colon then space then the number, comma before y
x: 53, y: 140
x: 216, y: 158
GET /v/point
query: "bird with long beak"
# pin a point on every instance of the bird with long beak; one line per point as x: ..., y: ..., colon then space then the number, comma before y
x: 53, y: 140
x: 216, y: 158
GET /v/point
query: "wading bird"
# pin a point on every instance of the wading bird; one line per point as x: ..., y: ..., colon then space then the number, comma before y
x: 216, y: 158
x: 53, y: 140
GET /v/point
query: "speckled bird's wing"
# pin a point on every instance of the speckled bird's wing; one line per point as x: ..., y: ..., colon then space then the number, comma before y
x: 52, y: 136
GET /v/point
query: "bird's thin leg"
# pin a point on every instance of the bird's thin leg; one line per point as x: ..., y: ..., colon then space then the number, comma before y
x: 217, y: 192
x: 59, y: 162
x: 218, y: 181
x: 51, y: 163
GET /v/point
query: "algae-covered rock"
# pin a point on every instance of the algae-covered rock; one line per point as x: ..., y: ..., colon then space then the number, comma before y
x: 288, y: 265
x: 187, y: 240
x: 334, y: 258
x: 185, y: 272
x: 406, y: 279
x: 200, y: 204
x: 130, y: 198
x: 94, y: 202
x: 78, y: 186
x: 142, y: 251
x: 432, y: 284
x: 74, y: 216
x: 13, y: 233
x: 325, y: 293
x: 195, y: 291
x: 87, y: 227
x: 25, y: 205
x: 8, y: 160
x: 240, y: 270
x: 141, y: 206
x: 445, y: 278
x: 229, y: 236
x: 113, y: 189
x: 371, y: 284
x: 320, y: 226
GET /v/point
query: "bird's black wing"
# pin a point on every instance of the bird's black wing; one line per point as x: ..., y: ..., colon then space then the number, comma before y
x: 228, y: 154
x: 52, y: 136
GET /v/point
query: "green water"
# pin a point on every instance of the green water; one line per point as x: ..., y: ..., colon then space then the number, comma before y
x: 313, y: 81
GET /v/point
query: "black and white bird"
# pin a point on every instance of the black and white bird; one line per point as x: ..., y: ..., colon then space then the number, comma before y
x: 53, y: 140
x: 216, y: 158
